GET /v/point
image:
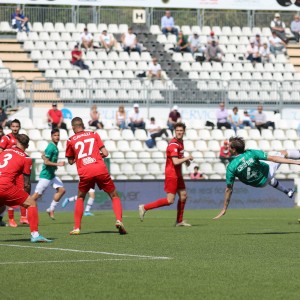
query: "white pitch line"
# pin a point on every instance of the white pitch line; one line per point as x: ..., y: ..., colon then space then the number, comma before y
x: 87, y: 251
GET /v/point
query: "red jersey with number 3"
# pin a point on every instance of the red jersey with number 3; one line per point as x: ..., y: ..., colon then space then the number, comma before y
x: 13, y: 163
x: 8, y: 141
x: 174, y: 149
x: 85, y: 147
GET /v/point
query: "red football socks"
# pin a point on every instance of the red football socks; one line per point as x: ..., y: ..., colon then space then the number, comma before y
x: 23, y: 211
x: 33, y: 218
x: 11, y: 213
x: 180, y: 210
x: 117, y: 208
x: 78, y: 212
x: 158, y: 203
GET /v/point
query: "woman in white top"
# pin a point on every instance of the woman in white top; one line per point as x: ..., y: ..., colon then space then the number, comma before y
x: 121, y: 117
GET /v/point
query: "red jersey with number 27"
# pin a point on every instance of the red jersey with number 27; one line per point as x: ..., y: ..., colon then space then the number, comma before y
x: 85, y: 147
x: 174, y: 149
x: 8, y: 141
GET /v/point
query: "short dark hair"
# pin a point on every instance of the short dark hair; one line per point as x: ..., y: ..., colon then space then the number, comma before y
x: 237, y: 143
x: 15, y: 121
x: 196, y: 167
x: 235, y: 108
x: 77, y: 122
x: 23, y: 139
x: 180, y: 124
x: 152, y: 119
x: 55, y: 130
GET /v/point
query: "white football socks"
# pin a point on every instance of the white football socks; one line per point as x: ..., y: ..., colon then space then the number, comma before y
x: 293, y: 154
x: 89, y: 204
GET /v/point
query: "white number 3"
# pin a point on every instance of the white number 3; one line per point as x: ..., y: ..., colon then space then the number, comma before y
x: 6, y: 157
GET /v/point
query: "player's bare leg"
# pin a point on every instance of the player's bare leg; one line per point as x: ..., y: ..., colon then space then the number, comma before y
x: 180, y: 209
x: 60, y: 191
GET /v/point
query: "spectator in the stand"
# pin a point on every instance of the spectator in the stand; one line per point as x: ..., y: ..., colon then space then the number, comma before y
x: 295, y: 27
x: 253, y: 52
x: 107, y: 41
x: 257, y: 41
x: 235, y: 120
x: 154, y: 70
x: 174, y: 117
x: 278, y: 26
x: 168, y: 24
x: 222, y: 117
x: 95, y: 118
x: 19, y: 21
x: 260, y: 120
x: 211, y: 38
x: 264, y: 52
x: 121, y: 117
x: 3, y: 118
x: 182, y: 43
x: 155, y: 131
x: 276, y: 44
x: 195, y: 44
x: 55, y: 118
x: 225, y: 155
x: 136, y: 119
x: 196, y: 175
x: 87, y: 39
x: 77, y: 58
x: 130, y: 42
x: 246, y: 120
x: 214, y: 52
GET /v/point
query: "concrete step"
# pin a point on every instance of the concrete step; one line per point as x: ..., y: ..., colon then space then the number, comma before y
x: 11, y: 48
x: 10, y: 57
x: 29, y: 76
x: 295, y: 61
x: 293, y: 52
x: 21, y: 66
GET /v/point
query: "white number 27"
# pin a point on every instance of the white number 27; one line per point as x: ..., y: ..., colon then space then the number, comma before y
x: 81, y: 145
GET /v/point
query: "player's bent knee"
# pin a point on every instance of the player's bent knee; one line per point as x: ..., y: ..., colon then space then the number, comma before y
x: 61, y: 190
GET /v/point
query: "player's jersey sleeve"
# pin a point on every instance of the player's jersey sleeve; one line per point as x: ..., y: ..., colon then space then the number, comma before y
x: 27, y: 166
x: 230, y: 177
x: 173, y: 150
x: 261, y: 155
x: 69, y: 150
x: 4, y: 142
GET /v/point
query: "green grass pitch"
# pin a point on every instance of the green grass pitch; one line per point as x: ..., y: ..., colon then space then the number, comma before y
x: 247, y: 254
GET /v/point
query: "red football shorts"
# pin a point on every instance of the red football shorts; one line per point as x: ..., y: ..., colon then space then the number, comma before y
x: 173, y: 184
x: 103, y: 181
x: 12, y: 195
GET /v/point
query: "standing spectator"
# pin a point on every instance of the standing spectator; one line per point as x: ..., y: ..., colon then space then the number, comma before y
x: 235, y: 120
x: 174, y: 117
x: 155, y: 131
x: 168, y: 24
x: 77, y: 58
x: 295, y: 27
x: 130, y: 42
x: 253, y: 52
x: 19, y: 21
x: 154, y: 70
x: 264, y: 52
x: 257, y: 41
x: 55, y: 118
x: 276, y: 44
x: 174, y: 183
x: 86, y: 39
x: 278, y: 27
x: 196, y: 175
x: 222, y: 117
x: 87, y: 150
x: 225, y: 155
x: 3, y: 118
x: 121, y: 117
x: 136, y: 119
x: 246, y: 120
x: 260, y: 119
x: 182, y: 43
x: 95, y: 118
x: 195, y: 44
x: 214, y: 52
x: 107, y: 41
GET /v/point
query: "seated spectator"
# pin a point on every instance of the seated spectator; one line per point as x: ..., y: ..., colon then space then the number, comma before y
x: 182, y: 43
x: 260, y: 120
x: 264, y: 52
x: 3, y: 118
x: 246, y: 120
x: 136, y: 119
x: 174, y: 117
x: 276, y: 44
x: 77, y: 58
x: 168, y: 24
x: 196, y: 175
x: 154, y: 70
x: 195, y: 44
x: 253, y: 52
x: 257, y: 41
x: 225, y: 155
x: 211, y: 38
x: 214, y: 52
x: 130, y: 42
x: 19, y: 21
x: 95, y: 116
x: 222, y: 117
x: 278, y: 27
x: 235, y: 120
x: 121, y: 117
x: 86, y: 39
x: 55, y: 118
x: 155, y: 131
x: 295, y: 27
x: 107, y: 41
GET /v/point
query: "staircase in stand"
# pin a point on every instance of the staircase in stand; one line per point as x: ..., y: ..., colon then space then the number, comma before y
x: 293, y: 51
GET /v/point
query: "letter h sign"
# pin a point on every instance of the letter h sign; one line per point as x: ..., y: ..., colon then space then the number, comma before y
x: 139, y: 16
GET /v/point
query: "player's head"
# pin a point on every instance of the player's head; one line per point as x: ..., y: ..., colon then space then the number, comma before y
x: 22, y: 141
x: 15, y: 126
x: 77, y: 124
x: 236, y: 145
x: 179, y: 129
x: 55, y: 135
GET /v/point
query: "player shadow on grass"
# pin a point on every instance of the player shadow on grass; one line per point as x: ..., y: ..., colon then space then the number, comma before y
x: 260, y: 233
x: 103, y: 231
x: 21, y: 240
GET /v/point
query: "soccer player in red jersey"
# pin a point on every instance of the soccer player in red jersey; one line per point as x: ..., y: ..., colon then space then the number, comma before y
x: 7, y: 142
x: 14, y: 162
x: 87, y: 149
x: 174, y: 183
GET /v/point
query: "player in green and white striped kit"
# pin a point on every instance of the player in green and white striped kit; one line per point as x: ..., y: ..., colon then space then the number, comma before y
x: 255, y: 168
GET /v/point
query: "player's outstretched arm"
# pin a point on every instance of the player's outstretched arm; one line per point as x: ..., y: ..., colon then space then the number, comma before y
x: 282, y: 160
x: 227, y: 197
